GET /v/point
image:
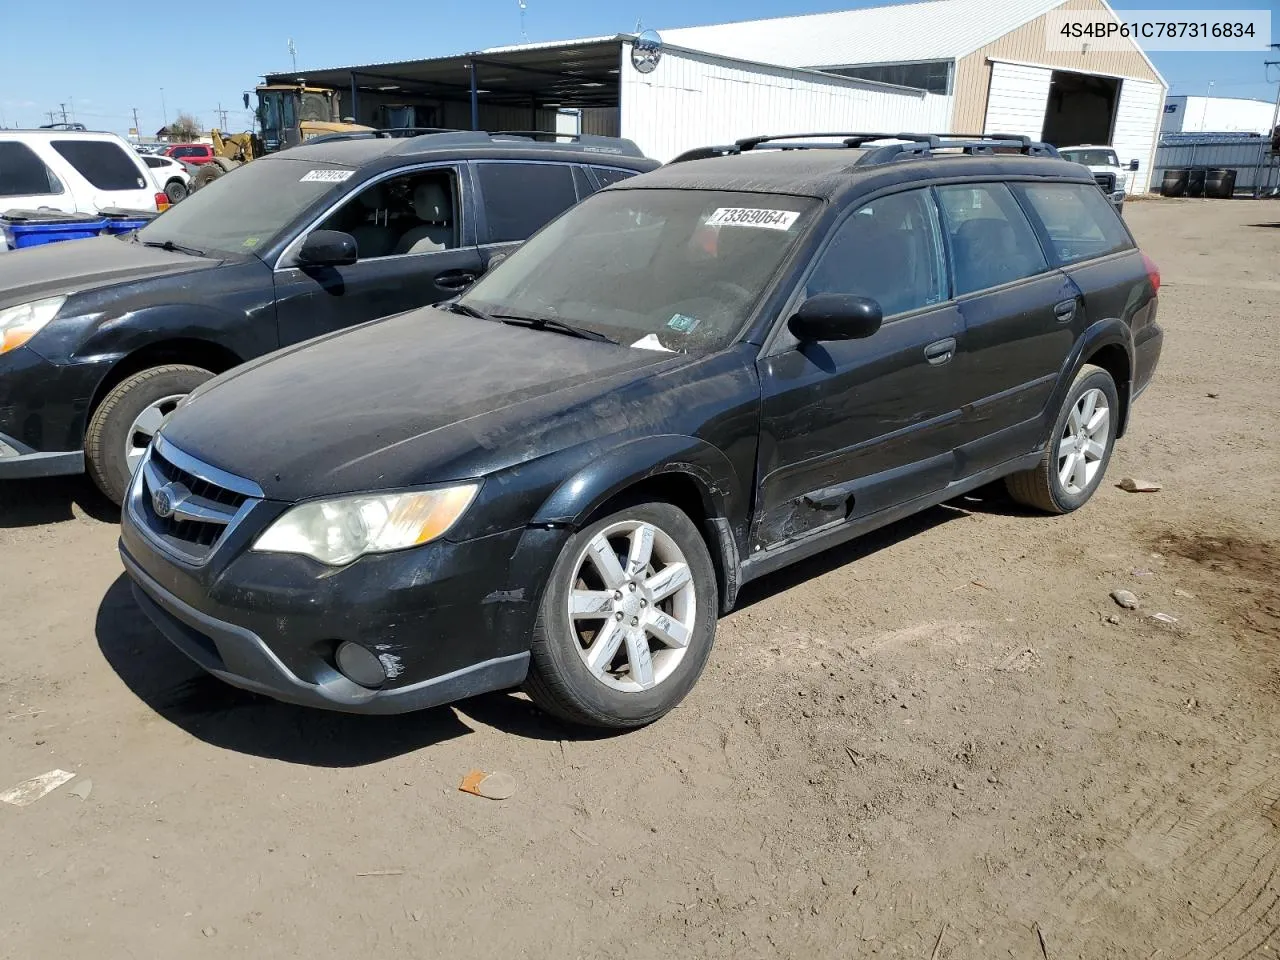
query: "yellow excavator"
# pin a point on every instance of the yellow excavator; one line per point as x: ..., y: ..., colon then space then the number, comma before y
x: 287, y: 115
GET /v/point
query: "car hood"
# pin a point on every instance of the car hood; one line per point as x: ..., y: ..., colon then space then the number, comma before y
x: 422, y: 397
x: 74, y: 266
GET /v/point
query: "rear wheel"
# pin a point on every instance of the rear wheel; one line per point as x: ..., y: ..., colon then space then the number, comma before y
x: 1079, y: 448
x: 176, y: 191
x: 627, y: 619
x: 128, y: 417
x: 211, y: 171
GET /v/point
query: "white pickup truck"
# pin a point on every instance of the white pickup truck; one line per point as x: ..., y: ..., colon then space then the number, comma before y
x: 1112, y: 178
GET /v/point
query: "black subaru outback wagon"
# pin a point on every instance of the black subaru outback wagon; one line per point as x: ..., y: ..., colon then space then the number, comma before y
x: 691, y: 379
x: 100, y: 339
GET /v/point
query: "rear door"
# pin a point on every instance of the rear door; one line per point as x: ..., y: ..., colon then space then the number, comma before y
x: 416, y: 235
x: 27, y: 182
x: 1019, y: 316
x: 114, y: 174
x: 517, y: 198
x: 850, y: 428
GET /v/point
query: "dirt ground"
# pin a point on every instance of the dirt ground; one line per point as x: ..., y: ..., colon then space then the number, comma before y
x: 933, y: 743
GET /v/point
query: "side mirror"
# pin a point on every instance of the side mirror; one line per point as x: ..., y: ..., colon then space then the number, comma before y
x: 328, y: 248
x: 835, y: 316
x: 1133, y: 164
x: 246, y: 101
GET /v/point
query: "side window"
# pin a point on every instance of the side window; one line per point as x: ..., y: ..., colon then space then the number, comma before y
x: 520, y: 197
x: 1078, y: 222
x: 23, y: 174
x: 414, y: 213
x: 608, y: 175
x: 153, y: 162
x: 889, y: 250
x: 103, y: 163
x: 991, y: 241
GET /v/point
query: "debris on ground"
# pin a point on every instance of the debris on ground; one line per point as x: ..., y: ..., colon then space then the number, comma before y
x: 493, y: 786
x: 381, y: 873
x: 81, y: 790
x: 1113, y: 619
x: 1272, y: 813
x: 209, y: 932
x: 1164, y: 618
x: 1179, y: 592
x: 1132, y: 485
x: 1020, y: 661
x: 1212, y: 396
x: 29, y: 791
x: 1125, y: 599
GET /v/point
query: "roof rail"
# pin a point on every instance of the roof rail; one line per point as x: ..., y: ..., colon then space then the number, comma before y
x: 911, y: 144
x: 585, y: 143
x: 385, y: 133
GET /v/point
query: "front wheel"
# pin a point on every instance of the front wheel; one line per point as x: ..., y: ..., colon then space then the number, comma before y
x: 1079, y: 448
x: 626, y: 621
x: 128, y: 417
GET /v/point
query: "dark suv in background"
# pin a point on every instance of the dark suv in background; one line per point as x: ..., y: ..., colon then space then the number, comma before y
x: 101, y: 339
x: 687, y: 381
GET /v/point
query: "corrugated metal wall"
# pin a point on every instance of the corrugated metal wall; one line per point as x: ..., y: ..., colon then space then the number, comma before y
x: 1027, y: 44
x: 693, y: 99
x: 1248, y: 157
x: 1017, y: 101
x: 601, y: 121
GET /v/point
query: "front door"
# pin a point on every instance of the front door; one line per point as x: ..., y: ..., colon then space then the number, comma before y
x: 414, y: 250
x: 849, y: 428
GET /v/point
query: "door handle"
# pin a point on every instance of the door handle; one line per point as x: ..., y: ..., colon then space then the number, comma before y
x: 456, y: 279
x: 941, y: 351
x: 1065, y: 310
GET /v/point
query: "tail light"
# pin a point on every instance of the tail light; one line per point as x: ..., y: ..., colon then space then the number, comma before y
x: 162, y: 202
x: 1153, y: 273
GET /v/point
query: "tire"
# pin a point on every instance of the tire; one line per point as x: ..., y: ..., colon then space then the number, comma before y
x: 1042, y: 486
x: 114, y: 419
x: 560, y: 680
x: 208, y: 173
x: 176, y: 191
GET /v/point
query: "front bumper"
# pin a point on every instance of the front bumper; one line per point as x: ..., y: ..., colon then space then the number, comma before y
x: 20, y: 462
x: 43, y: 409
x: 447, y: 620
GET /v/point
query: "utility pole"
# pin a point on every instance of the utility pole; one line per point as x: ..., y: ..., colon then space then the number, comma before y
x: 64, y: 112
x: 1275, y: 117
x: 164, y: 111
x: 53, y: 116
x: 222, y: 115
x: 524, y: 34
x: 136, y: 128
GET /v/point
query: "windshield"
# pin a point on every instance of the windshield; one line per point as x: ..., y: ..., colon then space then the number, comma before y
x: 1091, y: 158
x: 676, y: 270
x: 249, y: 208
x: 315, y: 106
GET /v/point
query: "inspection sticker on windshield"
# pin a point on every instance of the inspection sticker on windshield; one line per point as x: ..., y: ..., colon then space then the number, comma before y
x: 747, y: 217
x: 326, y: 176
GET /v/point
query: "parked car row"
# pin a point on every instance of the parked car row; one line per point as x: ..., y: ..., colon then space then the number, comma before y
x: 560, y: 474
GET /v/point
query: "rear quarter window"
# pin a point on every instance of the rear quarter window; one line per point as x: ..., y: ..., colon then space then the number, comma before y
x: 610, y: 175
x: 23, y: 174
x: 519, y: 198
x: 1075, y: 220
x: 104, y: 164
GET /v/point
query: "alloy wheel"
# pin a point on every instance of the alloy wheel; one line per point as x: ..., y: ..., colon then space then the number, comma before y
x: 144, y: 428
x: 1084, y: 441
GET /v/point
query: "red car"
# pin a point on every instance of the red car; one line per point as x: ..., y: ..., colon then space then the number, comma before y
x: 196, y: 153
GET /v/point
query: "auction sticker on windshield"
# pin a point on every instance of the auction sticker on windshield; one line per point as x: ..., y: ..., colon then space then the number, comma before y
x: 326, y: 176
x: 748, y: 217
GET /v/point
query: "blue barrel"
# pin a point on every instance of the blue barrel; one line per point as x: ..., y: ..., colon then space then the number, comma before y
x: 33, y: 228
x: 119, y: 220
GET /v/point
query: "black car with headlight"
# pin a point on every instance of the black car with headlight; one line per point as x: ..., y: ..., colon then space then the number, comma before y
x: 561, y: 478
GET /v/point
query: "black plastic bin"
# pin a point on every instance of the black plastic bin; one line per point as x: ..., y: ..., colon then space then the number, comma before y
x: 1195, y: 182
x: 1220, y: 183
x: 1175, y: 182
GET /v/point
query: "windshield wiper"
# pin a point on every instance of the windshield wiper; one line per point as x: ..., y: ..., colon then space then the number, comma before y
x: 549, y: 323
x: 173, y: 247
x: 454, y: 306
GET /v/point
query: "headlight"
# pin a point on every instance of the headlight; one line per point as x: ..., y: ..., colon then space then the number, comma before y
x: 338, y: 531
x: 19, y: 324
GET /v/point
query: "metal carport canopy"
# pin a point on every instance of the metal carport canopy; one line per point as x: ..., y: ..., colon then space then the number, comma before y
x: 573, y: 73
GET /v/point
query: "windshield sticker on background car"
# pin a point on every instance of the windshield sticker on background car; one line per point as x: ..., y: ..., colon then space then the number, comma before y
x: 747, y: 217
x: 250, y: 242
x: 682, y: 324
x: 326, y: 176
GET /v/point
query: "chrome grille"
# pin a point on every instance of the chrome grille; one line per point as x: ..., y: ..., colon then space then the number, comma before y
x: 186, y: 506
x: 1106, y: 182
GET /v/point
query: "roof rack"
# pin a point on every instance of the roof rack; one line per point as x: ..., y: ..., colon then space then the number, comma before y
x: 909, y: 145
x: 585, y: 143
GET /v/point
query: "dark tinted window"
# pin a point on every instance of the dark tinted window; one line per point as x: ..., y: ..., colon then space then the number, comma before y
x: 415, y: 213
x: 521, y: 197
x: 890, y: 250
x: 104, y: 164
x: 608, y: 175
x: 1077, y: 220
x: 153, y: 162
x: 991, y: 241
x: 24, y: 174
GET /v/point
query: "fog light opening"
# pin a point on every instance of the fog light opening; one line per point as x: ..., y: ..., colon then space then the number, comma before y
x: 360, y: 665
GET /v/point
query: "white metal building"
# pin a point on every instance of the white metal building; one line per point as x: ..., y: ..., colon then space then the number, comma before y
x: 968, y: 66
x: 1187, y: 114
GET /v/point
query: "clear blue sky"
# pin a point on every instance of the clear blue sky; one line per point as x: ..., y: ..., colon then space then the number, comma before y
x: 102, y: 63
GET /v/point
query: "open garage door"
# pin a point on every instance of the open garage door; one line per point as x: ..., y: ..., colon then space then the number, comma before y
x: 1018, y: 98
x: 1137, y: 125
x: 1081, y: 109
